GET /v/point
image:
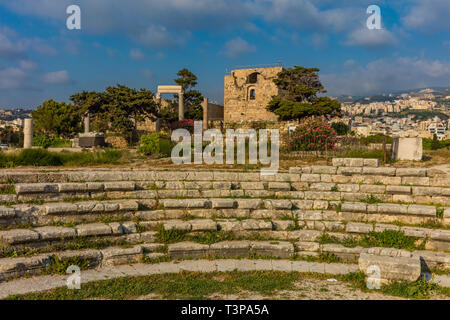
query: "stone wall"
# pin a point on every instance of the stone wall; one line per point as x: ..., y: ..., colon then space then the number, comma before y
x: 238, y: 102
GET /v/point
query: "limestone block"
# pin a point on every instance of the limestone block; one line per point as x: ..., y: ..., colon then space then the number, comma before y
x: 187, y: 250
x: 128, y: 205
x: 278, y: 204
x: 203, y: 225
x: 307, y: 246
x: 111, y: 206
x: 94, y: 229
x: 416, y: 232
x: 303, y: 204
x: 55, y: 233
x: 321, y: 186
x: 383, y: 171
x: 407, y: 149
x: 383, y: 227
x: 18, y: 236
x: 354, y: 207
x: 398, y: 190
x: 17, y: 267
x: 279, y: 186
x: 60, y: 208
x: 177, y: 225
x: 371, y: 162
x: 249, y: 203
x: 392, y: 208
x: 22, y: 188
x: 280, y: 249
x: 419, y: 210
x: 90, y: 207
x: 6, y: 212
x: 186, y: 203
x: 369, y: 188
x: 306, y: 235
x: 411, y: 172
x: 283, y: 224
x: 310, y: 177
x: 223, y: 203
x: 72, y: 187
x: 391, y: 268
x: 363, y: 228
x: 251, y: 224
x: 324, y: 169
x: 418, y: 181
x: 119, y: 256
x: 253, y: 185
x: 349, y: 171
x: 230, y: 249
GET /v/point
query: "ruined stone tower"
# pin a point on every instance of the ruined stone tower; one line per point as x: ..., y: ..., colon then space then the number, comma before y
x: 247, y: 93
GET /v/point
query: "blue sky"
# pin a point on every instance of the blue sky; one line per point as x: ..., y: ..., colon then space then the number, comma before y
x: 143, y: 43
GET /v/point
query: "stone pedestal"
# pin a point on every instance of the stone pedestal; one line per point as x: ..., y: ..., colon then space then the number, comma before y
x: 89, y: 140
x: 28, y: 134
x: 87, y: 124
x: 407, y: 148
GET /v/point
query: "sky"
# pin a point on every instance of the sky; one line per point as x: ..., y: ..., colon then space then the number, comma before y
x: 143, y: 43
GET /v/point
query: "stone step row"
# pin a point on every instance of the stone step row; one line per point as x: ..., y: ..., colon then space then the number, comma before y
x: 131, y: 205
x: 425, y: 176
x: 439, y: 238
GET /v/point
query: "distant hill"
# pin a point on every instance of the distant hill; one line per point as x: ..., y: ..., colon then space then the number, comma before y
x: 437, y: 92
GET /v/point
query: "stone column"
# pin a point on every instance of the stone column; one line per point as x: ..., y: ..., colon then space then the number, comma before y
x: 158, y: 121
x: 87, y: 123
x: 205, y: 114
x: 181, y: 106
x: 28, y: 134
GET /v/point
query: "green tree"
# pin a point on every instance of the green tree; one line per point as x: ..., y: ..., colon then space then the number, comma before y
x: 192, y: 98
x: 341, y: 128
x: 435, y: 145
x: 57, y: 119
x: 117, y: 109
x: 299, y: 88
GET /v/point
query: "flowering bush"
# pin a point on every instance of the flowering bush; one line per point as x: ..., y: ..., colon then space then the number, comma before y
x: 312, y: 134
x: 183, y: 124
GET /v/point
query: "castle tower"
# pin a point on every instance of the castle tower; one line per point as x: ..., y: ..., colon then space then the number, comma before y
x: 247, y: 93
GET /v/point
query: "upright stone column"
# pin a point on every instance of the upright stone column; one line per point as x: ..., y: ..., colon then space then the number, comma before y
x: 158, y: 121
x: 87, y: 123
x: 205, y: 114
x: 28, y: 134
x: 181, y: 106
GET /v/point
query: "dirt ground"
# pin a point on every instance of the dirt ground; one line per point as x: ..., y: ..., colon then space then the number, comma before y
x: 306, y: 289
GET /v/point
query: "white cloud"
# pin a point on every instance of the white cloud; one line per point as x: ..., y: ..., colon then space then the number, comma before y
x: 147, y: 73
x: 28, y: 65
x: 237, y: 47
x: 137, y: 54
x: 428, y: 15
x: 12, y: 78
x: 371, y: 38
x: 386, y: 75
x: 58, y: 77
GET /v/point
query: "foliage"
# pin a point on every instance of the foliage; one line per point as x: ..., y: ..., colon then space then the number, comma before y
x: 169, y: 236
x: 118, y: 108
x: 419, y: 289
x: 149, y: 144
x: 183, y: 124
x: 42, y: 157
x: 427, y: 144
x: 299, y: 88
x: 50, y: 142
x: 341, y: 128
x: 312, y: 134
x: 389, y: 239
x: 376, y: 138
x: 60, y: 265
x: 57, y: 119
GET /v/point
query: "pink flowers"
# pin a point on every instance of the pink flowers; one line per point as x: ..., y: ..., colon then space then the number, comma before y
x: 313, y: 134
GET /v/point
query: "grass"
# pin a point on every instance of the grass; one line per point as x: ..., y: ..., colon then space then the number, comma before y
x: 42, y: 157
x: 371, y: 200
x: 174, y: 286
x: 59, y: 266
x: 196, y: 286
x: 387, y: 239
x: 169, y: 236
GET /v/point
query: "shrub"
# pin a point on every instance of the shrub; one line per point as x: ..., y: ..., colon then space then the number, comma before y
x: 183, y: 124
x: 149, y: 144
x: 312, y: 134
x: 47, y: 142
x: 38, y: 157
x: 341, y: 128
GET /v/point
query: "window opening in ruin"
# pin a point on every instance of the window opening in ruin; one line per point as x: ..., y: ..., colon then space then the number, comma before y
x: 252, y: 94
x: 253, y: 78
